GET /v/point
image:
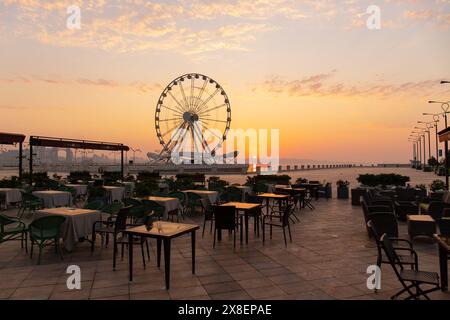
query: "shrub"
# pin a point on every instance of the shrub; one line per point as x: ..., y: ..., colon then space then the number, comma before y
x: 383, y: 179
x: 301, y: 180
x: 437, y: 185
x: 342, y: 183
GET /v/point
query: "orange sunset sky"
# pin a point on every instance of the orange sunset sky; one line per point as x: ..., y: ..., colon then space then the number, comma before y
x: 312, y: 69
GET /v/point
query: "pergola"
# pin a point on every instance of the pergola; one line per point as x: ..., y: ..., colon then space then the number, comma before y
x: 75, y: 144
x: 12, y: 139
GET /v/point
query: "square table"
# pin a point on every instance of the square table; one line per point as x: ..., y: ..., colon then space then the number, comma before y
x: 246, y: 208
x: 211, y: 195
x: 54, y: 198
x: 273, y: 196
x: 162, y: 231
x: 444, y: 254
x: 12, y: 195
x: 115, y: 193
x: 420, y: 225
x: 78, y: 223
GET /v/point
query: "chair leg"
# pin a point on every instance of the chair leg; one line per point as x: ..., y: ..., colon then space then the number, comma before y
x: 214, y: 242
x: 284, y: 235
x: 148, y: 251
x: 270, y: 232
x: 121, y: 251
x: 234, y: 238
x: 204, y: 225
x: 143, y: 254
x: 31, y: 249
x: 114, y: 253
x: 25, y: 234
x: 263, y: 231
x: 290, y: 235
x: 40, y: 253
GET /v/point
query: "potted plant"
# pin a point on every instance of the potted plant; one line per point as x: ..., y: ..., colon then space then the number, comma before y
x: 342, y: 189
x: 437, y: 185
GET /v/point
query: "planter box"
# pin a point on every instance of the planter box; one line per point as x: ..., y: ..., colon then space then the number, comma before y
x: 342, y: 192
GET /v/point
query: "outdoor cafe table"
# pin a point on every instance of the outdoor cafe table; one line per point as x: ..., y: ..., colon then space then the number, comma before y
x: 211, y: 195
x: 163, y: 232
x: 246, y: 208
x: 78, y: 223
x: 115, y: 193
x: 12, y: 195
x: 444, y: 252
x: 81, y: 189
x: 169, y: 204
x: 54, y: 198
x: 273, y: 196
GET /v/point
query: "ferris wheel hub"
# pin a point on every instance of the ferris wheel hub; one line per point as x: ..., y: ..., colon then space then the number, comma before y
x: 190, y: 117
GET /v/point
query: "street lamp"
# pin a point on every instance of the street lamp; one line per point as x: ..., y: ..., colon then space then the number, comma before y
x: 134, y: 154
x: 429, y: 125
x: 435, y: 121
x: 420, y: 134
x: 423, y: 130
x: 444, y: 106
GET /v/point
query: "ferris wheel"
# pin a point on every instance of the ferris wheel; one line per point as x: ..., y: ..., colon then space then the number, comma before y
x: 192, y: 107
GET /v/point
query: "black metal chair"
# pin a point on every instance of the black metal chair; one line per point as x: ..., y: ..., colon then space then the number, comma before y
x: 411, y: 280
x: 367, y: 210
x: 208, y: 214
x: 116, y: 231
x: 283, y: 222
x: 381, y: 223
x: 224, y: 219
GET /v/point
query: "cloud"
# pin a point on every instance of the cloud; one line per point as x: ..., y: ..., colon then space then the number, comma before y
x: 139, y: 86
x: 322, y: 85
x: 425, y: 14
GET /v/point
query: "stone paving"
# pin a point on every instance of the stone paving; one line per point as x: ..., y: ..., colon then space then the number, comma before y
x: 326, y: 260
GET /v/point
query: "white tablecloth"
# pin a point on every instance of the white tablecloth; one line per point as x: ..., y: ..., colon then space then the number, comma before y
x: 53, y: 198
x: 12, y: 195
x: 245, y: 190
x: 115, y: 193
x: 169, y: 204
x: 212, y: 195
x: 129, y: 184
x: 80, y: 188
x: 78, y: 224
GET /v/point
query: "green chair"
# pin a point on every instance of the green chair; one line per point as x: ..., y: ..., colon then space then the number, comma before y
x: 260, y: 188
x: 3, y: 201
x: 112, y: 210
x: 94, y: 205
x: 46, y: 231
x: 138, y: 214
x: 131, y: 202
x: 182, y: 197
x: 193, y: 202
x: 153, y: 206
x: 13, y: 229
x: 30, y: 203
x: 160, y: 194
x: 234, y: 194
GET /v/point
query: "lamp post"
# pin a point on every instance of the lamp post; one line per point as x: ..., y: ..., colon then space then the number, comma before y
x: 429, y: 126
x: 435, y: 120
x: 414, y: 151
x: 421, y: 134
x: 444, y: 106
x: 423, y: 130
